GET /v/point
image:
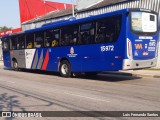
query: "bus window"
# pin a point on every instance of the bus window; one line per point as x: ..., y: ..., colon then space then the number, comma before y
x: 29, y: 41
x: 39, y: 36
x: 143, y: 23
x: 108, y: 29
x: 69, y: 36
x: 87, y: 33
x: 13, y: 43
x: 20, y: 42
x: 52, y: 38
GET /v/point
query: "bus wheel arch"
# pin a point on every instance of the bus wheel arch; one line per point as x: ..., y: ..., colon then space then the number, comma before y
x: 64, y: 68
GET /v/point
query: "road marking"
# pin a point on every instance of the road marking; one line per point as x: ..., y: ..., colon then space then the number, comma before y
x: 86, y: 97
x: 8, y: 81
x: 77, y: 95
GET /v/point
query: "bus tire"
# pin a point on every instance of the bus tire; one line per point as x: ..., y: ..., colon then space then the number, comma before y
x: 91, y: 74
x: 15, y: 65
x: 65, y: 69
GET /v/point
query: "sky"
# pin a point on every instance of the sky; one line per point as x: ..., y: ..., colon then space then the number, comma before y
x: 9, y: 12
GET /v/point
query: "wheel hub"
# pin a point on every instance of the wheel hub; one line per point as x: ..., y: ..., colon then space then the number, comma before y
x: 15, y: 65
x: 64, y: 69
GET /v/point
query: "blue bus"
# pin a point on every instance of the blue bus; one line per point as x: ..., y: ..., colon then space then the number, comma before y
x: 121, y: 40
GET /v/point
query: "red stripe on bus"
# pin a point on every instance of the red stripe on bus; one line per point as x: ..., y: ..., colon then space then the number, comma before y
x: 46, y: 60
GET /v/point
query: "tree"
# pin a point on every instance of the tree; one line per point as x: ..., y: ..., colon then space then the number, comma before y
x: 5, y: 28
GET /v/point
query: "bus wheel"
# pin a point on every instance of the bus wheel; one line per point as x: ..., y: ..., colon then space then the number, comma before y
x: 15, y: 65
x: 65, y: 69
x: 90, y: 74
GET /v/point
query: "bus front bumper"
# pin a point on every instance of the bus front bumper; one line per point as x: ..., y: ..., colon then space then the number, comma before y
x: 138, y: 64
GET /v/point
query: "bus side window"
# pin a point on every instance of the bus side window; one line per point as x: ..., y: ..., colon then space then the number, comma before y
x: 30, y: 41
x: 20, y: 42
x: 52, y: 38
x: 69, y: 35
x: 108, y: 29
x: 13, y: 43
x: 87, y: 33
x: 101, y: 32
x: 39, y: 36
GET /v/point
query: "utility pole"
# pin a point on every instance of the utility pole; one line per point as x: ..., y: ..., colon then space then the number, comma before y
x: 74, y: 2
x: 73, y: 14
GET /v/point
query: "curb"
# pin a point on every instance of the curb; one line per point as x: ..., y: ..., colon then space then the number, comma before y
x: 156, y: 76
x: 131, y: 74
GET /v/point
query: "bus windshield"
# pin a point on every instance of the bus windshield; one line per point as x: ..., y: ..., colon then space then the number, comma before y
x: 143, y: 22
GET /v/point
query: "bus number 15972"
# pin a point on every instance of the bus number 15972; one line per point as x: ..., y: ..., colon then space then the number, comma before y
x: 107, y: 48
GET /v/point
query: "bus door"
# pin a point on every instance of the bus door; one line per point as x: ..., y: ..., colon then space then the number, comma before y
x: 89, y: 48
x: 100, y: 39
x: 6, y: 52
x: 91, y: 59
x: 142, y: 37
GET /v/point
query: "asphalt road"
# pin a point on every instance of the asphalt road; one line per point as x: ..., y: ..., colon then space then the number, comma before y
x: 44, y: 91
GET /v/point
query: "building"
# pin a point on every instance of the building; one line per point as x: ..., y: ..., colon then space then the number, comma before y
x: 95, y: 8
